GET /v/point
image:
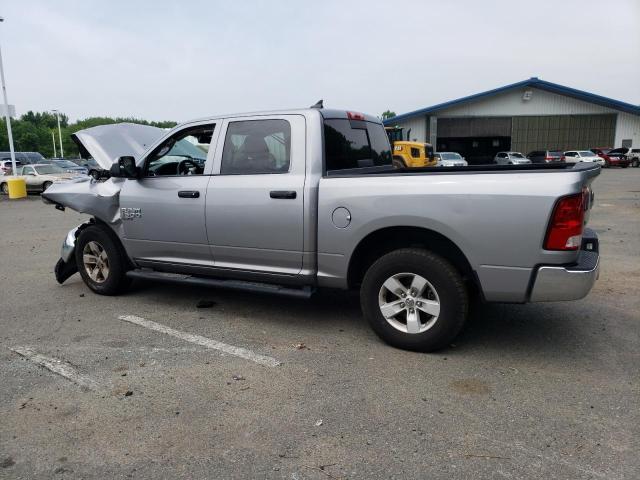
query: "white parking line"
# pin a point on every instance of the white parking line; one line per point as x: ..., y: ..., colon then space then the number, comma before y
x: 204, y: 341
x: 56, y: 366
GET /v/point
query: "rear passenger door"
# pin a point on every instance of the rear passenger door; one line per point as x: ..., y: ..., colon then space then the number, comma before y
x: 254, y: 206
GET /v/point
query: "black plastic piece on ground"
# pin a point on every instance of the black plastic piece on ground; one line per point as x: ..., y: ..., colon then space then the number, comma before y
x: 64, y: 270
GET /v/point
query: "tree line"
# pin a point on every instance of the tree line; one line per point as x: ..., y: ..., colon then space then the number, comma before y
x: 32, y: 132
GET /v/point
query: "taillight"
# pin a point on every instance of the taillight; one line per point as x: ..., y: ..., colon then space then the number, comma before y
x: 355, y: 116
x: 548, y: 159
x: 567, y: 221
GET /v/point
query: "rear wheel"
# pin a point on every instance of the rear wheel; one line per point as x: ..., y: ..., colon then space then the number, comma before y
x: 5, y: 188
x: 414, y: 299
x: 635, y: 162
x: 101, y: 261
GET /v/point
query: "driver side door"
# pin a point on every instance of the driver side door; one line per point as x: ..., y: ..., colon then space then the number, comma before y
x: 163, y: 211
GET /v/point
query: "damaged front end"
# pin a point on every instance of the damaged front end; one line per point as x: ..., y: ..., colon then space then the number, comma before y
x: 100, y: 199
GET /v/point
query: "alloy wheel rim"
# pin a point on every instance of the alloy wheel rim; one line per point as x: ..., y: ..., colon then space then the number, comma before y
x: 96, y: 262
x: 409, y: 303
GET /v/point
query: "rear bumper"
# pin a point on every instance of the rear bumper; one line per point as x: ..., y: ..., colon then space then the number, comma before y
x: 557, y: 282
x: 619, y: 162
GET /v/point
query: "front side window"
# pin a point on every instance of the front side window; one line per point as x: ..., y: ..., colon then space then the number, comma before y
x: 253, y: 147
x: 415, y: 153
x: 26, y: 171
x: 185, y: 153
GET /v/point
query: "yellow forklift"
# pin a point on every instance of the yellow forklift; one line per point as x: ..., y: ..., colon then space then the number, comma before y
x: 407, y: 154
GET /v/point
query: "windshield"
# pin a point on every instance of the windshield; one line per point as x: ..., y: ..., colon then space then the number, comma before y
x: 65, y: 163
x: 585, y: 153
x: 450, y: 156
x: 516, y: 155
x: 48, y: 169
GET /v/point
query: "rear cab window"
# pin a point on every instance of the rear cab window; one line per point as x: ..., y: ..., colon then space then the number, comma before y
x: 355, y: 144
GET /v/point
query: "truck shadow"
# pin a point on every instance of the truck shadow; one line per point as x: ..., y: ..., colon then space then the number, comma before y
x: 554, y: 329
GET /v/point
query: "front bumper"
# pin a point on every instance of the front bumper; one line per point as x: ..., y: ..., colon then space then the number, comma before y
x: 557, y: 282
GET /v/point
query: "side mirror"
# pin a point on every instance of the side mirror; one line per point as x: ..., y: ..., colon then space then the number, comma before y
x: 125, y: 167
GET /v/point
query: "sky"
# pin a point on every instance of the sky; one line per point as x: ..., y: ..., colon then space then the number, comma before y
x: 180, y: 60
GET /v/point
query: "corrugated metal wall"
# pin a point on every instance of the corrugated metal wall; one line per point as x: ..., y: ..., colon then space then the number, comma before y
x: 564, y: 132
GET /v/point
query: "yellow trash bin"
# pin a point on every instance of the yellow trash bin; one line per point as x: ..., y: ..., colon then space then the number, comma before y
x: 17, y: 187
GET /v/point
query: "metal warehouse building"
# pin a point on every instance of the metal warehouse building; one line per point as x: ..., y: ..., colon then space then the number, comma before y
x: 530, y: 115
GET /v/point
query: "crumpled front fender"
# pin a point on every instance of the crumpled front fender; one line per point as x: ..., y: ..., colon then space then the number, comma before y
x: 99, y: 199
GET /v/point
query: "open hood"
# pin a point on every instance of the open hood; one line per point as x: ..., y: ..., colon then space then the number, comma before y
x: 106, y: 143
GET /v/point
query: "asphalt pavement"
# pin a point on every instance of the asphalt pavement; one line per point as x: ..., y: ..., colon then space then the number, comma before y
x: 148, y: 385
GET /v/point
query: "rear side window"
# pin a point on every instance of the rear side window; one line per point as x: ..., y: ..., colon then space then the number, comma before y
x: 254, y: 147
x: 355, y: 144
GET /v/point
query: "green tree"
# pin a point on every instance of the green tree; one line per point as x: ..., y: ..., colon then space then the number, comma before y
x: 388, y: 114
x: 32, y: 131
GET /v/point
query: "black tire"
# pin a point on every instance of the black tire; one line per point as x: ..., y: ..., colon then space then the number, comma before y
x: 635, y: 163
x: 116, y: 280
x: 445, y: 279
x: 5, y: 188
x: 46, y: 185
x: 398, y: 163
x: 94, y: 174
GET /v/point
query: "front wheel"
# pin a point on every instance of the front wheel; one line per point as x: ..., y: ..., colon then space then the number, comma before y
x: 5, y: 188
x: 414, y: 299
x: 101, y: 261
x: 635, y: 162
x: 46, y: 185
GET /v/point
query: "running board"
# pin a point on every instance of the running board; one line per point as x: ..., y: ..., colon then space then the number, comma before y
x: 303, y: 292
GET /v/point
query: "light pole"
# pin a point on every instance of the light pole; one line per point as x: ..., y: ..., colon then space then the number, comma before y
x: 7, y: 116
x: 59, y: 133
x: 53, y: 139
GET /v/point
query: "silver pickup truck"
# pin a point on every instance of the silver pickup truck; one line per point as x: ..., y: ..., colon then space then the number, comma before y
x: 287, y: 202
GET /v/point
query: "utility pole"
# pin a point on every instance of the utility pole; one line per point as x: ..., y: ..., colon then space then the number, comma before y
x: 59, y: 133
x: 7, y: 116
x: 53, y: 139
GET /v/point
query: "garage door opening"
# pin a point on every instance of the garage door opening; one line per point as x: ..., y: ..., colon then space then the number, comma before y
x: 476, y: 150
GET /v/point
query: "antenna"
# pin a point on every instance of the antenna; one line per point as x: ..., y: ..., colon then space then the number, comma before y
x: 318, y: 104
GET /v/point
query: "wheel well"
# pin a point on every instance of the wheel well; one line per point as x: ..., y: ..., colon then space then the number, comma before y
x: 383, y: 241
x: 114, y: 236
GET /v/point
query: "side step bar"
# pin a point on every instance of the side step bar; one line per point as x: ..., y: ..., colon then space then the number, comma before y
x: 303, y: 292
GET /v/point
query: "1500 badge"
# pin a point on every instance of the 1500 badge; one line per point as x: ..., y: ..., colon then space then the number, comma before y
x: 130, y: 213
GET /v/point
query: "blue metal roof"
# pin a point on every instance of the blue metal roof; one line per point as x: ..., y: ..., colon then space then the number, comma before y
x: 533, y: 82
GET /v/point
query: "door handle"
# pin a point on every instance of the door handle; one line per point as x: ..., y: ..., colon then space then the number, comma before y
x: 188, y: 194
x: 286, y: 194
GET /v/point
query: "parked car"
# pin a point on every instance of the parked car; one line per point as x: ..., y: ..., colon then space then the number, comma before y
x: 69, y: 167
x: 576, y: 156
x: 612, y: 158
x: 634, y: 157
x: 93, y: 168
x: 510, y: 158
x: 450, y: 159
x: 38, y: 177
x: 6, y: 166
x: 24, y: 157
x: 546, y: 156
x: 290, y: 201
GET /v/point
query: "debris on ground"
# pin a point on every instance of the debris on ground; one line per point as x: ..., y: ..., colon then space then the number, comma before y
x: 300, y: 346
x: 318, y: 423
x: 205, y: 304
x: 128, y: 393
x: 238, y: 377
x: 7, y: 462
x: 81, y: 295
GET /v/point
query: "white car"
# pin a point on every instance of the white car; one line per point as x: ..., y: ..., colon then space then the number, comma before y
x: 450, y: 159
x: 510, y: 158
x: 577, y: 156
x: 39, y: 177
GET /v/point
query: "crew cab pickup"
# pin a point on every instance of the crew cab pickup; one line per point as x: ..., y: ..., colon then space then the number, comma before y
x: 287, y: 202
